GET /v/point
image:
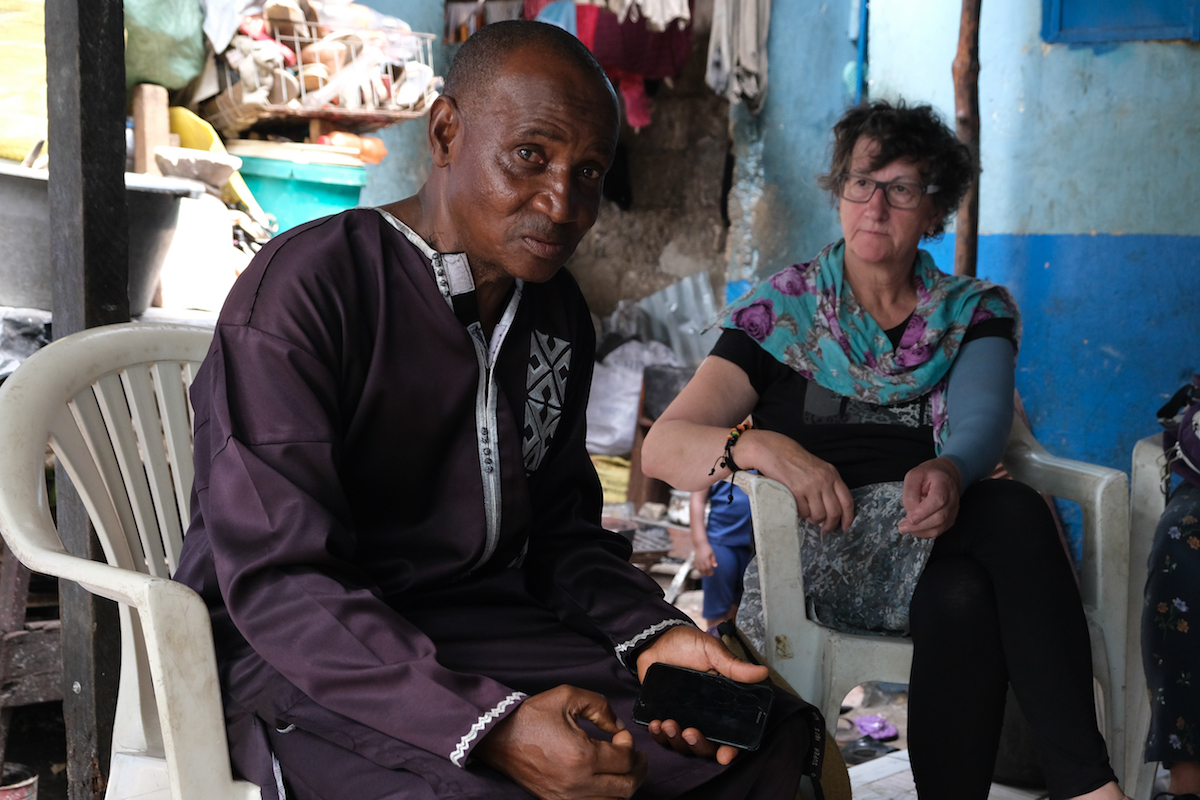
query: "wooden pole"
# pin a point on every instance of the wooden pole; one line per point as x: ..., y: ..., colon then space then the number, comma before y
x: 966, y: 119
x: 89, y: 260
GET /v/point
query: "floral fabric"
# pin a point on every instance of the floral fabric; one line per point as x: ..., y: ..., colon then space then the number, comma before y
x: 807, y: 317
x: 1170, y: 649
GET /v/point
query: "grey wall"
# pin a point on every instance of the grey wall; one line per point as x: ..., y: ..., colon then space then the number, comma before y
x: 674, y: 227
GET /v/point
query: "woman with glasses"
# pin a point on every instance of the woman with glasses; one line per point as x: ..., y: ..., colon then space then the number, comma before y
x: 881, y: 393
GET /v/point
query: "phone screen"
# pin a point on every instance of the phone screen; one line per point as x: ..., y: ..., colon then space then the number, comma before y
x: 725, y: 711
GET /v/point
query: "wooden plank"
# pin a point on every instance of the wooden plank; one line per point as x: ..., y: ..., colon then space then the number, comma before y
x: 89, y: 253
x: 151, y: 126
x: 32, y: 666
x: 14, y: 591
x: 89, y: 231
x: 91, y: 659
x: 966, y: 118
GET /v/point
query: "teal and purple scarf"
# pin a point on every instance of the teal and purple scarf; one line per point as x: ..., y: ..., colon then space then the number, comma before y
x: 807, y: 318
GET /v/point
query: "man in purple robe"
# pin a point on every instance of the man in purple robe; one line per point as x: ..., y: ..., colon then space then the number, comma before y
x: 395, y: 523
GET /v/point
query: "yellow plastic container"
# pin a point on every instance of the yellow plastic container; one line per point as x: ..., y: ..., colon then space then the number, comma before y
x: 197, y: 134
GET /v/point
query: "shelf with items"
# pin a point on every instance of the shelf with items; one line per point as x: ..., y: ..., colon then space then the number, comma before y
x: 355, y: 80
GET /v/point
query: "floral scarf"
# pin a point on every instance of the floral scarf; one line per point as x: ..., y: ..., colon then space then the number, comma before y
x: 807, y: 318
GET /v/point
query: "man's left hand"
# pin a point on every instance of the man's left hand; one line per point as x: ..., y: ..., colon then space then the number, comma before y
x: 930, y: 498
x: 685, y: 646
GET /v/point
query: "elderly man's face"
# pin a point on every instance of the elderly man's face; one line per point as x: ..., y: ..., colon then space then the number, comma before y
x: 525, y: 181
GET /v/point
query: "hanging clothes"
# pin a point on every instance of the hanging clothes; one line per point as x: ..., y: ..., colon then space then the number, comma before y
x: 632, y: 47
x: 560, y: 14
x: 659, y: 14
x: 501, y: 10
x: 631, y: 52
x: 614, y: 6
x: 737, y: 51
x: 462, y: 20
x: 534, y: 7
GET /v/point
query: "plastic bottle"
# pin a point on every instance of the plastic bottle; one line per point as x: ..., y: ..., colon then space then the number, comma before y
x: 370, y: 149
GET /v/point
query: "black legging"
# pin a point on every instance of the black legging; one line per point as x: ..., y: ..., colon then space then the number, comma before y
x: 997, y: 603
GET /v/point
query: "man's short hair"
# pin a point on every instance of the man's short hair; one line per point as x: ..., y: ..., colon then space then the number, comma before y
x: 481, y: 56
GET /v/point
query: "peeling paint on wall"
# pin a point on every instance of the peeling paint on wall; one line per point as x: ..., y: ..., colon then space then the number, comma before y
x: 745, y: 199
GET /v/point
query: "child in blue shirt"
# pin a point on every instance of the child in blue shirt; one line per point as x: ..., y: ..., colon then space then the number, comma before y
x: 722, y: 546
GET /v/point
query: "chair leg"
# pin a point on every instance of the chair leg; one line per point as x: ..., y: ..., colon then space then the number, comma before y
x: 676, y: 587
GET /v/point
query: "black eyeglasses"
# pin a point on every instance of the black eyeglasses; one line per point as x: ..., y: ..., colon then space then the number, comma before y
x: 899, y: 194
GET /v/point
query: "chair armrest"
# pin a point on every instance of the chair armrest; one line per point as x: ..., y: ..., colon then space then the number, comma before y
x: 183, y: 666
x: 1078, y: 481
x: 1103, y: 497
x: 177, y: 635
x: 776, y: 535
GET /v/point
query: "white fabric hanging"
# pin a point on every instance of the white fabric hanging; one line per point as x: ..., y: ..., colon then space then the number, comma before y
x: 659, y: 14
x: 737, y: 51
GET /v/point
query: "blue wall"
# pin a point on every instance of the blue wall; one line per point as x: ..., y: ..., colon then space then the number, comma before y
x: 1107, y: 320
x: 779, y: 215
x: 1089, y: 210
x: 407, y: 164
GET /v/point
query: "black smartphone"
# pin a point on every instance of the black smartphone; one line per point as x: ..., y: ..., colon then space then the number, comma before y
x: 725, y: 711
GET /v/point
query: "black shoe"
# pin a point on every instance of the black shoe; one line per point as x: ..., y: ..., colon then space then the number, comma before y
x: 1169, y: 796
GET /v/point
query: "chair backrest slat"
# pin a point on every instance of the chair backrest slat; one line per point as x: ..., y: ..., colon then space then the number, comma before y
x: 110, y: 512
x: 113, y: 403
x: 174, y: 409
x: 148, y: 426
x: 143, y: 536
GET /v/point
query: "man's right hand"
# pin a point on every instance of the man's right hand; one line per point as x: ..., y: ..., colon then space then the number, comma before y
x: 542, y: 748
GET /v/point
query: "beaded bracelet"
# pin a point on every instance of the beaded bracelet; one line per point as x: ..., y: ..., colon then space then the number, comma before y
x: 726, y: 460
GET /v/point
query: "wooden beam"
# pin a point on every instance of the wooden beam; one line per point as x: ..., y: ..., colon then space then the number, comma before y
x: 966, y: 119
x: 89, y: 254
x: 151, y: 126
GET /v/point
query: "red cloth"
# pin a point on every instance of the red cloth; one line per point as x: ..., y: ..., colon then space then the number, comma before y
x: 637, y: 104
x: 534, y: 7
x: 586, y: 17
x: 632, y: 47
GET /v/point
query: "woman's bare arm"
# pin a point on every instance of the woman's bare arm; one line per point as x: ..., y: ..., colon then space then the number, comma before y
x: 688, y: 440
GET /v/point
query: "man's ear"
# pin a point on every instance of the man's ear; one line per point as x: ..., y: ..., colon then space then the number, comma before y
x: 445, y: 126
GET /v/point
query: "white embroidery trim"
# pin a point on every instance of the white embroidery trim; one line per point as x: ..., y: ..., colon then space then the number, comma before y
x: 646, y: 634
x: 460, y: 751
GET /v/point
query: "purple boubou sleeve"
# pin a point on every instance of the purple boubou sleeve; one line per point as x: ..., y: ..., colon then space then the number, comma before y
x: 294, y: 416
x: 573, y: 564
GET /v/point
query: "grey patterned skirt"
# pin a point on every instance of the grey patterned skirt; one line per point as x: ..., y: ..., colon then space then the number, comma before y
x: 856, y: 581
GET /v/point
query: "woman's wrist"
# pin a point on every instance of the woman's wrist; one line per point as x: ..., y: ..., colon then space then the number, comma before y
x: 727, y: 460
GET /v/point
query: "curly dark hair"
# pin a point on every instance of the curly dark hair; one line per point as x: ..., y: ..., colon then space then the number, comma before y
x: 916, y: 133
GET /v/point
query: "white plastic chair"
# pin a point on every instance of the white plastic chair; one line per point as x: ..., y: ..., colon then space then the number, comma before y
x: 112, y: 402
x: 1146, y: 505
x: 823, y: 665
